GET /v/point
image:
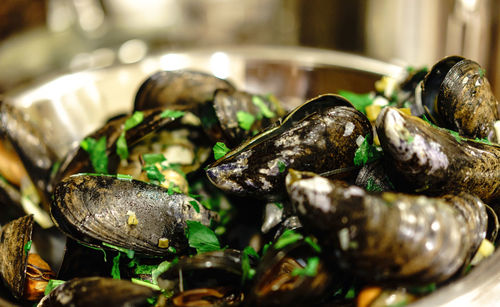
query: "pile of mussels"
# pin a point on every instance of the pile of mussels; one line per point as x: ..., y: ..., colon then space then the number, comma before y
x: 321, y: 205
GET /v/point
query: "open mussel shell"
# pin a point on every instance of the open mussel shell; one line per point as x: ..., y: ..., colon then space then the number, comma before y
x: 389, y: 237
x: 98, y: 291
x: 78, y: 160
x: 433, y: 161
x: 35, y: 154
x: 173, y: 89
x: 319, y: 136
x: 14, y: 238
x: 208, y: 279
x: 229, y: 105
x: 457, y: 95
x: 95, y: 209
x: 275, y: 284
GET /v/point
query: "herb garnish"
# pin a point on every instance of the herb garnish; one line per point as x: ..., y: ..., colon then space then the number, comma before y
x: 51, y: 285
x: 130, y: 253
x: 220, y: 150
x: 121, y: 143
x: 162, y: 268
x: 248, y: 271
x: 359, y: 101
x: 309, y: 240
x: 115, y: 269
x: 150, y: 159
x: 281, y: 166
x: 97, y: 153
x: 279, y: 205
x: 371, y: 186
x: 309, y: 270
x: 288, y: 237
x: 202, y: 238
x: 245, y: 120
x: 27, y: 247
x: 366, y: 152
x: 172, y: 113
x: 145, y: 283
x: 195, y: 205
x: 263, y: 108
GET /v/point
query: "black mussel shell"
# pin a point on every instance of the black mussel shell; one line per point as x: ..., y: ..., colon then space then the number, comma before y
x: 275, y: 284
x: 433, y: 161
x: 229, y: 106
x: 389, y: 237
x: 217, y: 274
x: 374, y: 177
x: 15, y: 237
x: 35, y: 154
x: 94, y: 209
x: 78, y: 160
x: 178, y: 89
x: 98, y: 291
x: 318, y: 136
x: 457, y: 95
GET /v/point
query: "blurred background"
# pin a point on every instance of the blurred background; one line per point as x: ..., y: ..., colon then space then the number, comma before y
x: 44, y: 36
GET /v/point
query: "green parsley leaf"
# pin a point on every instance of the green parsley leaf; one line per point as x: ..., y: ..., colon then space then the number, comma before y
x: 281, y: 166
x: 220, y: 150
x: 402, y: 303
x: 457, y: 136
x: 366, y: 153
x: 279, y: 205
x: 133, y: 120
x: 172, y: 113
x: 288, y: 237
x: 359, y: 101
x: 52, y: 284
x: 313, y: 244
x: 482, y: 71
x: 97, y: 153
x: 172, y: 188
x: 122, y: 147
x: 130, y: 253
x: 202, y: 238
x: 351, y: 293
x: 248, y: 271
x: 266, y: 247
x: 154, y: 174
x: 55, y: 167
x: 115, y: 269
x: 245, y: 120
x: 423, y: 289
x: 95, y: 248
x: 162, y: 268
x: 124, y: 177
x: 195, y: 205
x: 484, y: 140
x: 27, y: 247
x: 371, y: 186
x: 144, y: 269
x: 172, y: 249
x: 311, y: 268
x: 150, y: 159
x: 263, y: 108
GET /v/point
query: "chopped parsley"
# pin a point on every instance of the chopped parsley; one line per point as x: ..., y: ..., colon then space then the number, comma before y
x: 245, y: 120
x: 55, y: 167
x: 195, y: 205
x: 150, y: 159
x: 202, y: 238
x: 52, y: 284
x: 172, y: 113
x: 309, y: 240
x: 162, y: 268
x: 281, y: 166
x: 423, y: 289
x: 359, y: 101
x: 115, y: 269
x: 124, y: 177
x: 266, y: 247
x: 130, y: 253
x: 371, y: 186
x: 248, y: 271
x: 144, y: 269
x: 263, y: 108
x: 154, y: 174
x: 366, y: 153
x: 121, y: 143
x: 482, y: 71
x: 311, y: 269
x: 27, y: 247
x: 97, y: 152
x: 95, y: 248
x: 220, y: 150
x: 279, y: 205
x: 288, y: 237
x: 484, y: 141
x: 145, y: 283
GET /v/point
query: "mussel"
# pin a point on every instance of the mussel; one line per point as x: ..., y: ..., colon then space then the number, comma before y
x: 318, y: 136
x: 95, y: 209
x: 433, y: 161
x: 208, y: 279
x: 457, y: 95
x: 98, y: 291
x: 390, y: 237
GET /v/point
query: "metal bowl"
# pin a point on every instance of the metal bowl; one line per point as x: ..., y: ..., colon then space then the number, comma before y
x: 69, y: 106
